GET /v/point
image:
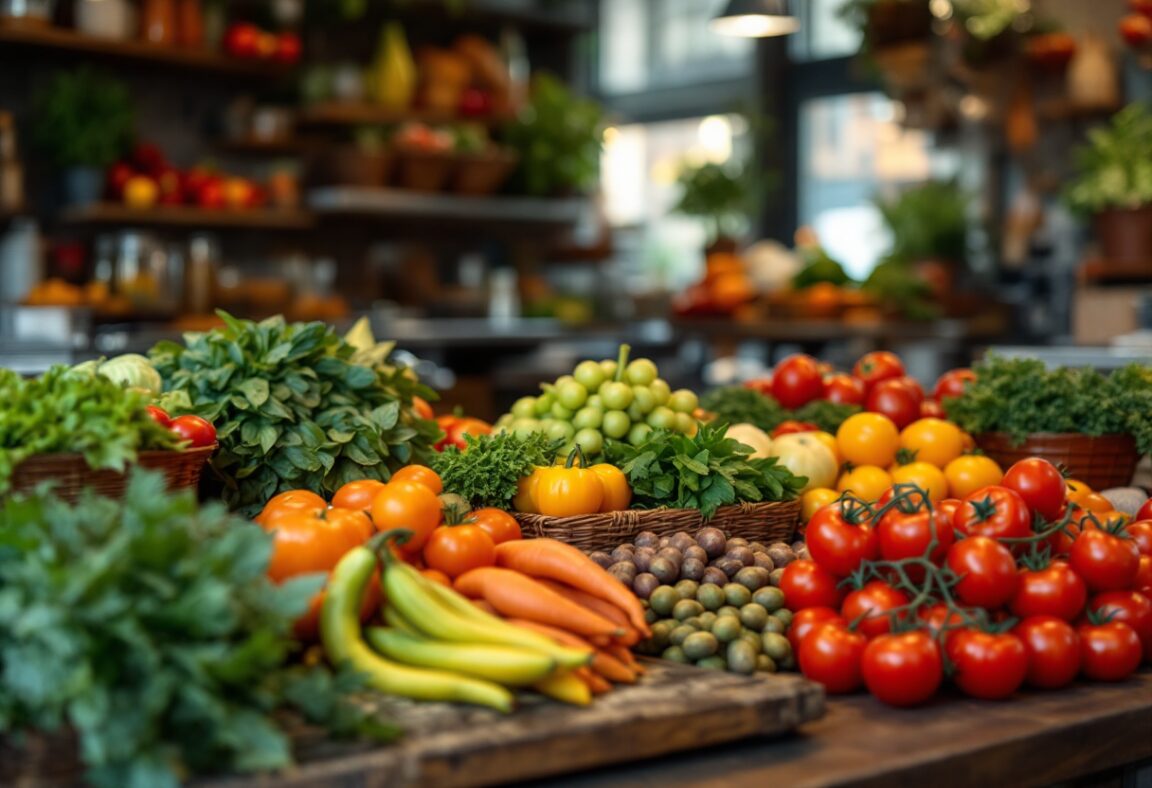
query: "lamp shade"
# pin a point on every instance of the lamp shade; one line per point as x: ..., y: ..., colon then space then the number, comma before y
x: 755, y: 19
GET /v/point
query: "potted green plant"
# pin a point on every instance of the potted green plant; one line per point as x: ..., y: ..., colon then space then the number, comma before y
x: 1114, y: 186
x: 720, y: 195
x: 557, y: 137
x: 929, y: 227
x: 82, y: 120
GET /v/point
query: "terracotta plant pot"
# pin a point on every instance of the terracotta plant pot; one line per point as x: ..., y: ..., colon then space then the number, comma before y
x: 1101, y: 461
x: 1125, y: 236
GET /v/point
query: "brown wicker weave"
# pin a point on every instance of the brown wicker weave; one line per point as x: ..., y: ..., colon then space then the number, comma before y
x: 591, y: 532
x: 1100, y: 462
x: 71, y: 473
x: 40, y: 759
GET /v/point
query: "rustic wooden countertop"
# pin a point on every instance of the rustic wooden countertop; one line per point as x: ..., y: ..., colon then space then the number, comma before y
x: 1034, y: 739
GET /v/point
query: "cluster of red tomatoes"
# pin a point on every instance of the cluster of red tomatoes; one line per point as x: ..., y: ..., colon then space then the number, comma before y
x: 198, y: 431
x: 1012, y: 585
x: 878, y: 383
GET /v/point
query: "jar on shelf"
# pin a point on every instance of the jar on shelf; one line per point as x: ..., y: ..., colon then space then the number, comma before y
x: 190, y: 27
x: 158, y: 22
x: 115, y: 19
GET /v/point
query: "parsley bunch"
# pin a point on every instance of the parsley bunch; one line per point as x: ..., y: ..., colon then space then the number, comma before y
x: 703, y: 472
x: 150, y: 628
x: 1023, y: 396
x: 487, y: 471
x: 294, y: 407
x: 64, y: 412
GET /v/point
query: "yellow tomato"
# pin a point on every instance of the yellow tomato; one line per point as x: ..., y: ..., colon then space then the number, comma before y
x: 806, y: 456
x: 1077, y: 490
x: 867, y: 482
x: 1095, y: 502
x: 934, y: 441
x: 969, y: 473
x: 969, y: 441
x: 815, y: 500
x: 829, y: 440
x: 868, y: 439
x: 924, y: 475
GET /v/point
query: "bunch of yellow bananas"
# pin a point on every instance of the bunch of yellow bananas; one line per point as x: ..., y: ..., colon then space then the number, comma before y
x: 438, y: 645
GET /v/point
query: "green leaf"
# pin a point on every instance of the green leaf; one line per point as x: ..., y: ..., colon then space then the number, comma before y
x: 256, y: 390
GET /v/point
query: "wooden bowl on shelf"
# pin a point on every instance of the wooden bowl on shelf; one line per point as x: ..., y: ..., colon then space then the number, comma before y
x: 424, y: 170
x: 483, y: 173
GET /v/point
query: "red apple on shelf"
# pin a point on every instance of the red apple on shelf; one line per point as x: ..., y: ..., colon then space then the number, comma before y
x: 287, y: 48
x: 117, y: 176
x: 242, y: 40
x: 1136, y: 30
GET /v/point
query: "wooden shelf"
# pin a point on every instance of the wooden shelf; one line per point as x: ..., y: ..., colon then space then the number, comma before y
x: 1100, y: 271
x: 401, y: 204
x: 357, y: 114
x: 49, y: 37
x: 257, y: 147
x: 1064, y: 109
x: 190, y: 217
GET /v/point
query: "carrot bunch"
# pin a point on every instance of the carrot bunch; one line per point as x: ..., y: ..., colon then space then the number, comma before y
x: 555, y: 589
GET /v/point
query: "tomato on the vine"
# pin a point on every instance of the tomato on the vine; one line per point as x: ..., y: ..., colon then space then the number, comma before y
x: 197, y: 431
x: 456, y: 549
x: 931, y: 409
x: 408, y: 505
x: 946, y: 509
x: 1053, y: 649
x: 994, y: 511
x: 877, y: 366
x: 939, y: 618
x: 904, y: 669
x: 807, y: 584
x: 988, y: 666
x: 796, y: 381
x: 870, y: 606
x: 806, y: 620
x: 908, y: 535
x: 1109, y: 652
x: 1130, y: 607
x: 986, y: 569
x: 497, y: 523
x: 894, y: 399
x: 1055, y: 590
x: 924, y: 475
x: 1105, y: 561
x: 159, y: 415
x: 1141, y: 533
x: 1143, y: 581
x: 1145, y: 511
x: 840, y: 537
x: 844, y: 389
x: 1040, y: 484
x: 830, y: 654
x: 952, y: 383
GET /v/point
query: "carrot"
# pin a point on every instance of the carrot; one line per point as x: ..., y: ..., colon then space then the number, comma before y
x: 558, y: 561
x: 599, y: 658
x: 597, y: 605
x: 597, y: 683
x: 514, y: 594
x: 612, y: 669
x: 624, y: 655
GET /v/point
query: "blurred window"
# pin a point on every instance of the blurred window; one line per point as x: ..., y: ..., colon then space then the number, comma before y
x: 823, y: 34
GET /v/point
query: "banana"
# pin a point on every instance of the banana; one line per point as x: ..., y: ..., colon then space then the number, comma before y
x: 441, y: 614
x: 502, y: 664
x: 393, y: 619
x: 565, y: 687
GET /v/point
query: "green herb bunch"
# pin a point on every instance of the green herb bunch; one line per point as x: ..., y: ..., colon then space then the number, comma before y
x: 293, y: 408
x: 1116, y: 165
x: 83, y: 118
x: 487, y: 471
x: 150, y: 628
x: 703, y: 472
x: 740, y: 405
x: 928, y: 221
x: 69, y: 413
x: 1023, y: 396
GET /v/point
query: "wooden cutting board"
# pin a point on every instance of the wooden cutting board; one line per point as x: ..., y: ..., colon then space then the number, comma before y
x: 673, y: 709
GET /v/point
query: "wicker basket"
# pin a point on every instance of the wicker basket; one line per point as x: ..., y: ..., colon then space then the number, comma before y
x: 766, y: 522
x: 1099, y: 461
x: 71, y: 474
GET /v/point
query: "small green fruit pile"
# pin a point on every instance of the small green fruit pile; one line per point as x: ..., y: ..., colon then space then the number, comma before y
x: 614, y: 399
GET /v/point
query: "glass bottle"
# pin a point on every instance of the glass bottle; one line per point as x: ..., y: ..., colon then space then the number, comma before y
x: 158, y: 22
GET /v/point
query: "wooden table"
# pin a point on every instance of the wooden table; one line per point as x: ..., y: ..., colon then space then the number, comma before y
x: 1036, y: 739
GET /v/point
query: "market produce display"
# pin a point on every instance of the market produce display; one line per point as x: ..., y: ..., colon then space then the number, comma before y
x: 294, y: 405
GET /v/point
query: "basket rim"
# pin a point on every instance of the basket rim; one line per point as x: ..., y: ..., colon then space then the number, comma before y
x: 62, y: 457
x: 1069, y: 435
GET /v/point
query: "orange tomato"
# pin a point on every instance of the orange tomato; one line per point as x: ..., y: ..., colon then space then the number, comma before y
x: 814, y: 500
x: 357, y: 495
x: 422, y: 408
x: 497, y: 523
x: 934, y: 441
x: 1095, y: 502
x: 421, y: 474
x: 310, y: 540
x: 291, y: 500
x: 456, y: 549
x: 868, y: 439
x: 436, y: 576
x: 924, y: 475
x: 408, y: 505
x: 867, y: 482
x: 1076, y: 490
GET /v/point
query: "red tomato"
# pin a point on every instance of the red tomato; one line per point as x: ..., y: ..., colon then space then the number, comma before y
x: 987, y: 572
x: 1141, y: 7
x: 1143, y: 581
x: 456, y: 427
x: 939, y: 618
x: 1040, y: 484
x: 1053, y: 649
x: 902, y: 670
x: 806, y: 584
x: 1109, y: 652
x: 831, y: 654
x: 931, y: 409
x: 1141, y: 533
x: 1145, y: 511
x: 1130, y: 607
x: 287, y: 48
x: 422, y: 408
x: 456, y: 549
x: 797, y: 381
x: 895, y: 400
x: 762, y: 385
x: 1136, y: 30
x: 908, y: 535
x: 869, y: 606
x: 1053, y: 591
x: 844, y: 389
x: 790, y: 426
x: 952, y: 383
x: 159, y: 415
x: 913, y: 386
x: 994, y: 511
x: 242, y: 40
x: 838, y: 544
x: 987, y: 666
x: 877, y: 366
x: 806, y: 621
x: 1104, y: 560
x: 117, y: 177
x: 199, y: 432
x: 947, y: 508
x: 497, y: 523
